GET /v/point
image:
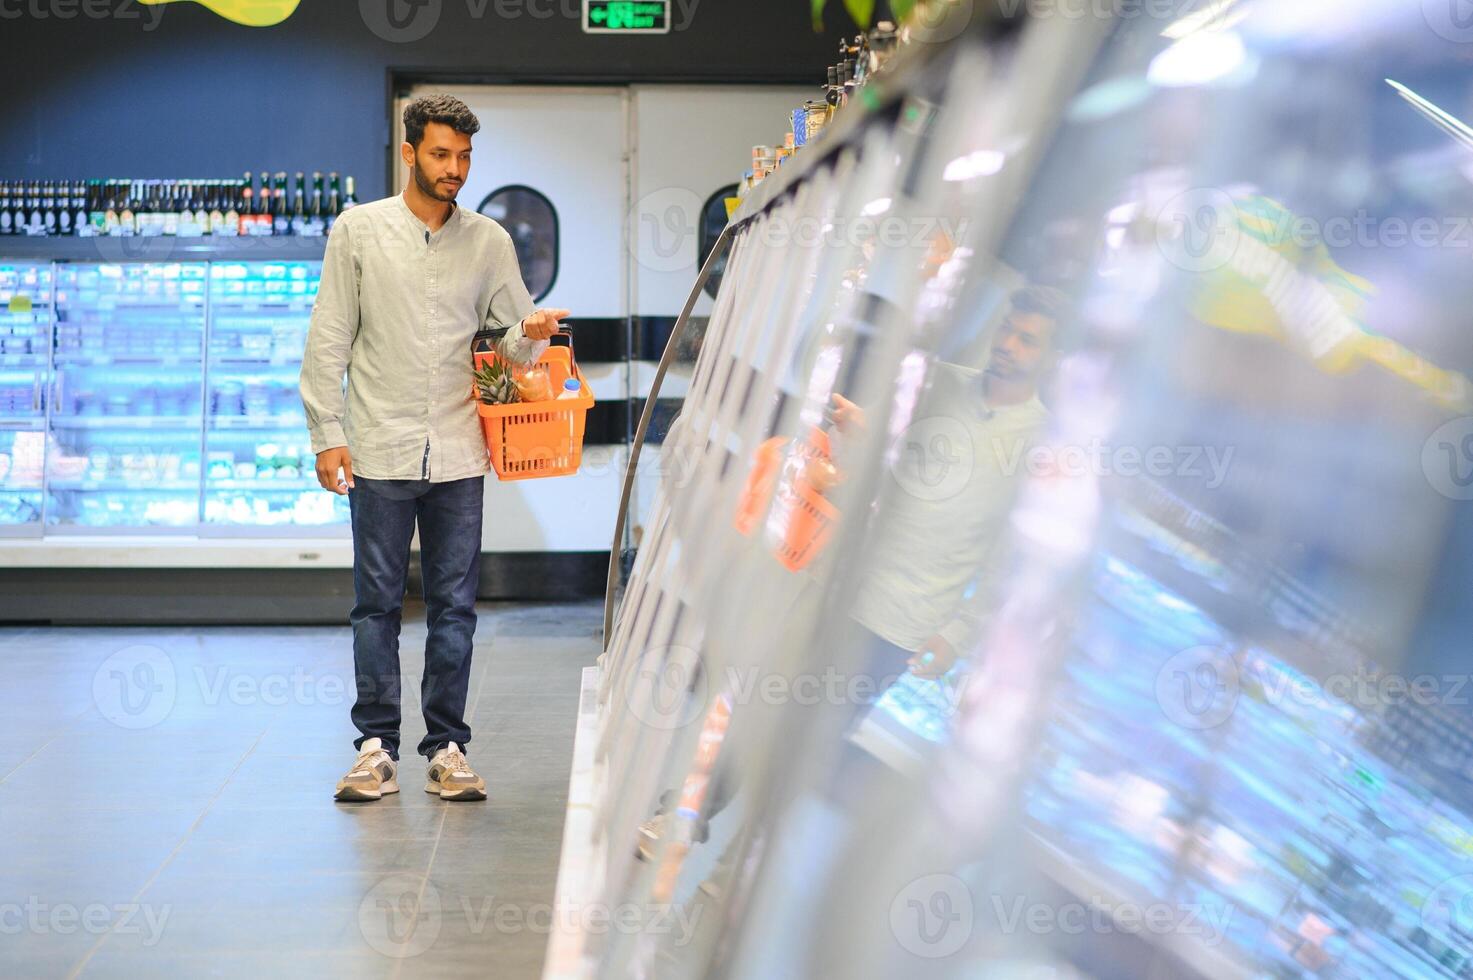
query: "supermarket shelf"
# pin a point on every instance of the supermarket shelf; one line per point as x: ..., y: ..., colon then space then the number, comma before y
x: 126, y: 422
x: 264, y: 486
x: 10, y: 362
x: 22, y: 421
x: 257, y: 422
x: 320, y: 548
x: 114, y: 486
x: 163, y: 249
x: 246, y: 364
x: 108, y: 360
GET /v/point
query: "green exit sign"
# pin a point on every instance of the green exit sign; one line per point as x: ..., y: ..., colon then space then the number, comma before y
x: 626, y: 16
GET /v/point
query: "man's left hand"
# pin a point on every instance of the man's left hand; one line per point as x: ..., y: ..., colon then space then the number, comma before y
x: 542, y: 324
x: 934, y: 659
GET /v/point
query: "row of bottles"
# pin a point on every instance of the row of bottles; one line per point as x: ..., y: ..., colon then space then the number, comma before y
x: 186, y: 208
x: 860, y: 59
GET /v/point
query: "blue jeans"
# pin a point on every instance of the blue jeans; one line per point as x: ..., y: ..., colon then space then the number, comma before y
x: 384, y: 514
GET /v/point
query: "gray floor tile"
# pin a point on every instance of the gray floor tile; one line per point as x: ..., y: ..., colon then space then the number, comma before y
x: 222, y: 828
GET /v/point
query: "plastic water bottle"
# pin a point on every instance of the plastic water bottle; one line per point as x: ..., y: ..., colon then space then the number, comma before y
x: 571, y: 389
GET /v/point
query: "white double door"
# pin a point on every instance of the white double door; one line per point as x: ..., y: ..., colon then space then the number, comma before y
x: 626, y: 171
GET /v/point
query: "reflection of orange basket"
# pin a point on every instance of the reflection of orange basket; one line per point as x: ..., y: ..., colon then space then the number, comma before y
x: 760, y: 483
x: 533, y: 439
x: 811, y: 518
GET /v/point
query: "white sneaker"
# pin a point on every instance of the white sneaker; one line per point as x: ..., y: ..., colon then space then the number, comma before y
x: 373, y: 775
x: 452, y: 778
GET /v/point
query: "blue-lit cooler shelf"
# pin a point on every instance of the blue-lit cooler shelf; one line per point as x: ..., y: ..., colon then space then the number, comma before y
x: 259, y: 465
x: 127, y: 364
x: 157, y: 396
x: 26, y: 292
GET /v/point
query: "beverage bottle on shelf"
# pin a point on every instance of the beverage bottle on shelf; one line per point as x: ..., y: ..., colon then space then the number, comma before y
x: 35, y: 217
x: 7, y: 220
x: 316, y: 223
x: 215, y: 217
x: 19, y: 209
x: 351, y: 201
x: 230, y: 226
x: 110, y: 224
x: 197, y: 192
x: 264, y: 224
x: 171, y: 211
x: 299, y: 206
x: 82, y: 210
x: 49, y: 213
x: 334, y: 200
x: 64, y: 212
x: 247, y: 215
x: 281, y: 222
x: 191, y: 225
x: 97, y: 191
x: 127, y: 220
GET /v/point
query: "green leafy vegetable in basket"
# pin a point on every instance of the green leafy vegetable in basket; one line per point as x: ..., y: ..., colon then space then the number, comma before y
x: 494, y: 384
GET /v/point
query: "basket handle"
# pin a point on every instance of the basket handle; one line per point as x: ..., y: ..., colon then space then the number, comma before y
x: 567, y: 333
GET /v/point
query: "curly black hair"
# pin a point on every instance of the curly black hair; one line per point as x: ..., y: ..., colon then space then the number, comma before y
x: 1043, y: 300
x: 445, y: 109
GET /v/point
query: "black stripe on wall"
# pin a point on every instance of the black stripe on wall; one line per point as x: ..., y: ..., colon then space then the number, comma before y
x: 652, y: 333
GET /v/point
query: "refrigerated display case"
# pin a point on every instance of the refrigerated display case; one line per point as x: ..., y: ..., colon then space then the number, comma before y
x: 25, y: 306
x: 1227, y: 699
x: 258, y: 461
x: 158, y: 397
x: 125, y: 424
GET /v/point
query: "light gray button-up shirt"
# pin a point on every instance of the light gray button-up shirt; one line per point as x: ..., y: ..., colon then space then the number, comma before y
x: 397, y: 308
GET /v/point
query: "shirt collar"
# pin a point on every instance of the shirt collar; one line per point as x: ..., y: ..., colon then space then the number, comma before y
x: 451, y: 220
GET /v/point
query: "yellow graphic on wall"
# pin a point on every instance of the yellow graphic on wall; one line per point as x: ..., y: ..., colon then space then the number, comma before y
x: 251, y: 13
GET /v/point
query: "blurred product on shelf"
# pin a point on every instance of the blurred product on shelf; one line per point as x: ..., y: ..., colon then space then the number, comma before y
x: 175, y: 208
x: 861, y: 59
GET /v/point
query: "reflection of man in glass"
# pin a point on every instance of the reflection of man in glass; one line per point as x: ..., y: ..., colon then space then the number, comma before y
x: 955, y: 474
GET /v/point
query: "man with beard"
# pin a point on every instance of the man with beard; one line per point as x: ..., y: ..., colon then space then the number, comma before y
x: 407, y: 282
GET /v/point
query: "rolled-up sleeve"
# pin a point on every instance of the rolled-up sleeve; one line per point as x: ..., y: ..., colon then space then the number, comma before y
x: 510, y: 305
x: 330, y: 340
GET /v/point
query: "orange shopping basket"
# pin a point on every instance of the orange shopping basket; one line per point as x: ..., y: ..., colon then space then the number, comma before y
x: 534, y: 439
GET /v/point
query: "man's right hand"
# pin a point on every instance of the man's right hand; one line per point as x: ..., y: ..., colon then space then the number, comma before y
x: 335, y: 470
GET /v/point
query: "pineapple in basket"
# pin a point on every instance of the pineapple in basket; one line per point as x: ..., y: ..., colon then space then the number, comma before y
x: 495, y: 384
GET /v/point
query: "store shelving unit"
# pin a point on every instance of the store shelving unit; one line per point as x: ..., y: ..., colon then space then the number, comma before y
x: 148, y: 392
x: 25, y: 322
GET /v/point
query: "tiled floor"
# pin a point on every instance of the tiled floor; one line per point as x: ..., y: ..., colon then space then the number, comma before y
x: 166, y: 805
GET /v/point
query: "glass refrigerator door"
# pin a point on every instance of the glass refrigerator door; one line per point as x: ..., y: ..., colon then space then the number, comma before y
x: 259, y: 467
x: 25, y: 322
x: 126, y: 415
